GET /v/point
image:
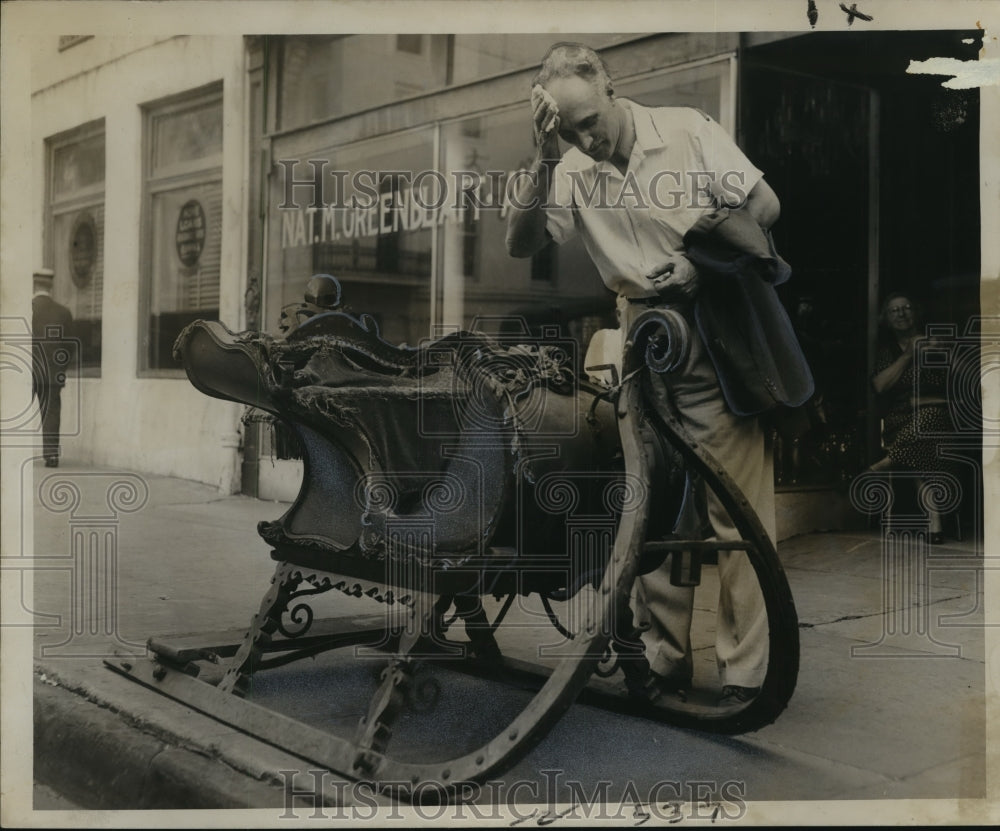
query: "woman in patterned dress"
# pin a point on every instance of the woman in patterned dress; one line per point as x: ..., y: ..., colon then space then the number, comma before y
x: 913, y: 399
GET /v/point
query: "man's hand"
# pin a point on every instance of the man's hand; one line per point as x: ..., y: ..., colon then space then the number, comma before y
x: 545, y: 119
x: 676, y: 279
x: 526, y: 219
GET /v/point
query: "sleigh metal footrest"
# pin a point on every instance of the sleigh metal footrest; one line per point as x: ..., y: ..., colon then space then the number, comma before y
x: 324, y: 635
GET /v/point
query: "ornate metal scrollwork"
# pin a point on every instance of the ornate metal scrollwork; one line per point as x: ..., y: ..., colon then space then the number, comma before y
x: 664, y: 337
x: 301, y: 614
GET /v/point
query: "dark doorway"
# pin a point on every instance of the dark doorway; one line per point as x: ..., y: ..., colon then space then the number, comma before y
x: 878, y: 175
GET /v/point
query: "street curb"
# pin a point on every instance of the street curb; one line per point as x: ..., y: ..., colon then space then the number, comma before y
x: 95, y: 757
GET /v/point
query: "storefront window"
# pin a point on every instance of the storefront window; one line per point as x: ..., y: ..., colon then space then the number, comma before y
x: 372, y: 234
x: 418, y: 258
x: 480, y: 56
x: 325, y: 76
x: 184, y: 227
x: 76, y: 234
x: 706, y: 87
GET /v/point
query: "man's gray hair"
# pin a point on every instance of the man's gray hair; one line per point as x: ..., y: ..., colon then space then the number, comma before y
x: 567, y: 59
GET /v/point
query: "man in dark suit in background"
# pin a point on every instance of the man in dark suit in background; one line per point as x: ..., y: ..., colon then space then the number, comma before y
x: 50, y: 324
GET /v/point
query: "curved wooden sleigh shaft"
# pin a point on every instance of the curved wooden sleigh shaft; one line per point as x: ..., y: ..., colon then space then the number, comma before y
x: 355, y: 549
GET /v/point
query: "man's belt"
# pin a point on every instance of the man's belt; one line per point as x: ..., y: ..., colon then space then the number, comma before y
x: 655, y: 300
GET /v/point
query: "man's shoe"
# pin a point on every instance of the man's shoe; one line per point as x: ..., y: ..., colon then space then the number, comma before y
x: 661, y: 688
x: 52, y: 461
x: 733, y: 695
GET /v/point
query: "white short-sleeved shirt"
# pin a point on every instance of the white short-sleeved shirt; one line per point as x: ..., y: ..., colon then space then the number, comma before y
x: 683, y: 166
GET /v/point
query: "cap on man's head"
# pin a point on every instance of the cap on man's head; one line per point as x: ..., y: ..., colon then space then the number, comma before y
x: 43, y: 279
x: 323, y: 290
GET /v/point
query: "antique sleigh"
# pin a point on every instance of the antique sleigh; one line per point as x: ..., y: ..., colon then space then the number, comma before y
x: 445, y: 481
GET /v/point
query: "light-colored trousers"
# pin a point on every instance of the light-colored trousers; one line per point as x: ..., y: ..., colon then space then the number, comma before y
x: 740, y: 445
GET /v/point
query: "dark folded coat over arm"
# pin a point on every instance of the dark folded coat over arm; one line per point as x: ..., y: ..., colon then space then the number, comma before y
x: 744, y: 326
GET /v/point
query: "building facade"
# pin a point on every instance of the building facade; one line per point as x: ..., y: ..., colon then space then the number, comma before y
x: 140, y: 171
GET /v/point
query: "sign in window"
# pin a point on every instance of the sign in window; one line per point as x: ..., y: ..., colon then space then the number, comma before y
x: 184, y: 225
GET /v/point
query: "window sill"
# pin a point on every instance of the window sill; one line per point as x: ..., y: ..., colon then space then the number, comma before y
x: 85, y: 372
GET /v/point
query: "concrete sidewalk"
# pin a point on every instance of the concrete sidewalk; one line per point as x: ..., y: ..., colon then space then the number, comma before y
x: 890, y: 702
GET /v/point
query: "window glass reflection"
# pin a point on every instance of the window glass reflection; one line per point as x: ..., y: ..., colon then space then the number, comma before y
x: 479, y: 279
x: 480, y: 56
x: 701, y: 87
x: 374, y: 236
x: 78, y: 166
x: 78, y: 262
x: 186, y: 136
x: 325, y: 76
x: 559, y: 286
x: 410, y: 253
x: 75, y: 216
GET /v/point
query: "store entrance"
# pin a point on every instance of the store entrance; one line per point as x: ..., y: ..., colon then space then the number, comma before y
x: 877, y: 172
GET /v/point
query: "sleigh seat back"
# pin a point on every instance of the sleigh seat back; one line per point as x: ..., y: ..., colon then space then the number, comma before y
x: 461, y: 457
